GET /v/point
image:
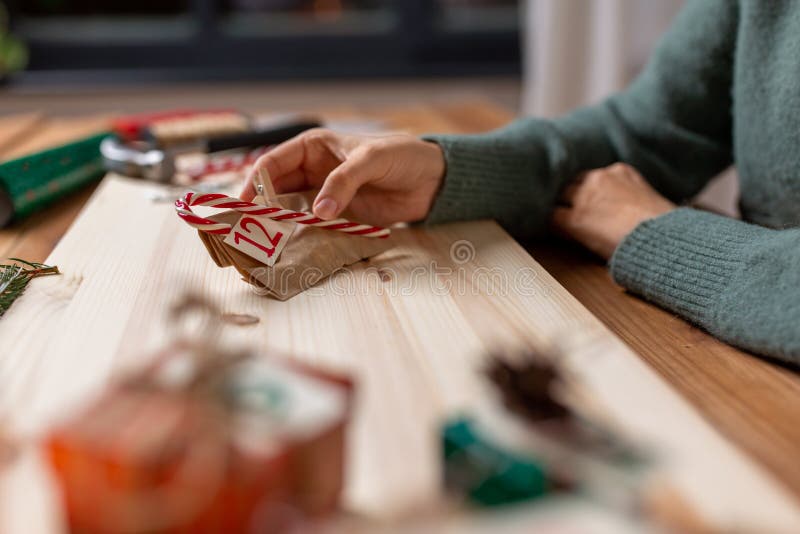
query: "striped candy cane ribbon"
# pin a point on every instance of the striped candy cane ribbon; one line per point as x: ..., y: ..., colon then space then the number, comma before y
x: 184, y: 205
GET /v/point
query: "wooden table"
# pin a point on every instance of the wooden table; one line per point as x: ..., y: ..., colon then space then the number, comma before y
x: 753, y: 402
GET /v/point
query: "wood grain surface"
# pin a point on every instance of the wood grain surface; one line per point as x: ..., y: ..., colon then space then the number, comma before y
x: 753, y: 402
x: 412, y: 325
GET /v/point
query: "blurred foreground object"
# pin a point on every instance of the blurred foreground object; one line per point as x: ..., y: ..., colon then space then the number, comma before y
x: 205, y: 440
x: 487, y: 473
x: 546, y: 398
x: 546, y: 438
x: 13, y: 54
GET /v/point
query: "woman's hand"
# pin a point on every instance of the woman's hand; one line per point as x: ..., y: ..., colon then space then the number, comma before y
x: 382, y: 179
x: 605, y: 205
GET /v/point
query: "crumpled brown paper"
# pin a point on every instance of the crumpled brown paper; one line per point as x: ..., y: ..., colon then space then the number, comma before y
x: 310, y: 255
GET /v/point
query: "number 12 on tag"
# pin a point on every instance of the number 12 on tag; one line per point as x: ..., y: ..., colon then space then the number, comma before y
x: 260, y: 238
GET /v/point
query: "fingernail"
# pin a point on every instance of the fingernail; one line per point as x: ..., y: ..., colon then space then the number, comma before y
x: 325, y: 209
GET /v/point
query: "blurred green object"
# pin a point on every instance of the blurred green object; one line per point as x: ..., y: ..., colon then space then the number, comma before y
x: 487, y: 474
x: 13, y: 53
x: 32, y: 182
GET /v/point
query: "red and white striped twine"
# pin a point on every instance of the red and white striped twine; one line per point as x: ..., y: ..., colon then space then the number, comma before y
x: 218, y: 200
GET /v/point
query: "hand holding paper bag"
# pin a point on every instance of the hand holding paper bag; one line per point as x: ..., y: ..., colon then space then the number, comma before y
x: 283, y: 257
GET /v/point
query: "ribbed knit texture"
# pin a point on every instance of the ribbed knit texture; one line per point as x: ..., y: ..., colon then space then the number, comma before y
x: 472, y: 189
x: 739, y: 281
x: 722, y: 87
x: 671, y: 261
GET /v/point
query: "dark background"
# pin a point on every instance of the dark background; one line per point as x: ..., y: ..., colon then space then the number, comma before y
x: 122, y: 41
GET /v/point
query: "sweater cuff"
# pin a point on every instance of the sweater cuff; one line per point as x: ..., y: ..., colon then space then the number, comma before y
x: 682, y: 260
x: 511, y: 175
x: 474, y: 184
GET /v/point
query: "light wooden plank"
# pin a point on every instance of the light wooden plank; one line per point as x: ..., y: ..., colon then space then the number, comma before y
x: 752, y: 401
x: 414, y: 348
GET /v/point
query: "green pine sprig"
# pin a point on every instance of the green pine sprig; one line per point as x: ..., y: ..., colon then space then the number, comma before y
x: 14, y: 278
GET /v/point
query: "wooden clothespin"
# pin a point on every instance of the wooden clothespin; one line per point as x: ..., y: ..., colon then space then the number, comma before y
x: 265, y: 191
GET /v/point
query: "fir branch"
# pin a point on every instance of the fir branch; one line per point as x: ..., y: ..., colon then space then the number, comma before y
x: 14, y: 278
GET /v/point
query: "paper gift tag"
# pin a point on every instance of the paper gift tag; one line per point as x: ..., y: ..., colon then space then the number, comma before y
x: 260, y: 237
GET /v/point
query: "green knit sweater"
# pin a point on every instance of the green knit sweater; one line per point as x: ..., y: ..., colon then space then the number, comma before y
x: 723, y: 87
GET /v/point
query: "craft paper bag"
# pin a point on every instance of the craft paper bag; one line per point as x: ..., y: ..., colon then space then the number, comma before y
x: 311, y: 255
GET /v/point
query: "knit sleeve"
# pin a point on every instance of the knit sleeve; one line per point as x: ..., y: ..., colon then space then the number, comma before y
x: 673, y: 124
x: 512, y: 175
x: 738, y: 281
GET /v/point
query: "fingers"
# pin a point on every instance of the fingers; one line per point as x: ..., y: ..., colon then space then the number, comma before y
x: 341, y: 185
x: 282, y: 160
x: 291, y: 182
x: 304, y: 161
x: 288, y: 183
x: 338, y: 164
